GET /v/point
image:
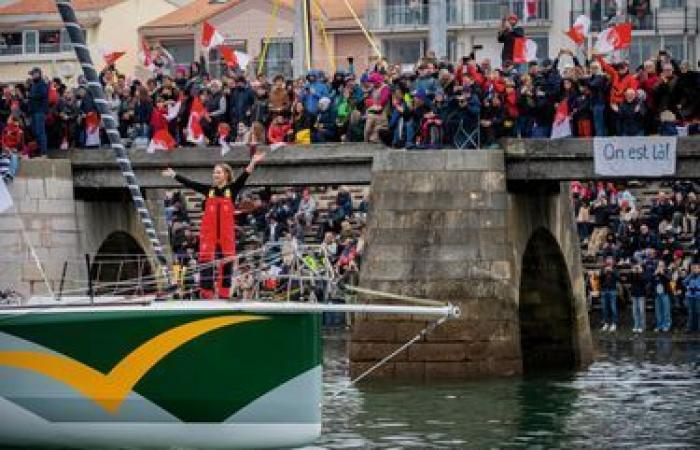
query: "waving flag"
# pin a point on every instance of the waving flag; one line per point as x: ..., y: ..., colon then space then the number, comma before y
x: 112, y: 57
x: 524, y: 50
x: 579, y: 32
x: 234, y: 58
x: 195, y: 134
x: 530, y: 10
x: 614, y: 38
x: 211, y: 38
x: 562, y: 121
x: 92, y: 129
x: 224, y: 130
x: 147, y: 57
x: 162, y: 140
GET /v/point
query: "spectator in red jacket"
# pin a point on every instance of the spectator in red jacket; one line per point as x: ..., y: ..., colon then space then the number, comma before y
x: 621, y: 80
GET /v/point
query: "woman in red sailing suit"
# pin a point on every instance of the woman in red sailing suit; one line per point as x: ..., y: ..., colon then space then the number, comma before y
x: 217, y: 234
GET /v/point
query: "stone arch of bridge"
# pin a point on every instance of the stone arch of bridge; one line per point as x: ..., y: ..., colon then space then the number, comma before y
x: 121, y: 267
x: 546, y: 306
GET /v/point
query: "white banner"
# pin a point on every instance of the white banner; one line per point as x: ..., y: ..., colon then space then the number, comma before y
x: 635, y: 156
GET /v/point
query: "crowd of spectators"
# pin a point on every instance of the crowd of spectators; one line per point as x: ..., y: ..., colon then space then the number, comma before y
x: 271, y: 222
x: 648, y: 253
x: 465, y: 103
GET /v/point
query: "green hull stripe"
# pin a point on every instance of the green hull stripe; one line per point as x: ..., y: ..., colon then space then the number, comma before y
x: 206, y: 380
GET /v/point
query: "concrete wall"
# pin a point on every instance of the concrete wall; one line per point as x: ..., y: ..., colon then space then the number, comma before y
x: 443, y: 226
x: 43, y: 194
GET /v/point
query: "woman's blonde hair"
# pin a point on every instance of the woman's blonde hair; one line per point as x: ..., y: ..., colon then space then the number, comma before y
x: 227, y: 170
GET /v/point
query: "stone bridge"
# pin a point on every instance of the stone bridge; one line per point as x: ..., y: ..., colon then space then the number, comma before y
x: 492, y: 231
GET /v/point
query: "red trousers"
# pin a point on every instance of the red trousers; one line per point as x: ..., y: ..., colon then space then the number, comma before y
x: 217, y: 240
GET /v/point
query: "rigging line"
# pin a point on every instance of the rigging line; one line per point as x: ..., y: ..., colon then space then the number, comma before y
x: 365, y: 31
x: 424, y: 332
x: 266, y: 43
x: 83, y: 55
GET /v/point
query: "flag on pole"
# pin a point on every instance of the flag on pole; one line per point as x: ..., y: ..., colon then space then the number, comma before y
x: 614, y: 38
x: 524, y: 50
x: 580, y: 30
x: 147, y: 57
x: 162, y: 140
x: 112, y: 57
x: 5, y: 198
x: 195, y: 134
x: 211, y: 38
x: 562, y: 121
x: 530, y: 10
x: 234, y: 58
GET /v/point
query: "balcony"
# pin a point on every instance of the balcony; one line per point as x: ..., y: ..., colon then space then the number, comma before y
x: 392, y: 15
x: 683, y: 20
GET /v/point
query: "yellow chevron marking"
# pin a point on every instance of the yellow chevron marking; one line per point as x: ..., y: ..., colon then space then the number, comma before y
x: 109, y: 391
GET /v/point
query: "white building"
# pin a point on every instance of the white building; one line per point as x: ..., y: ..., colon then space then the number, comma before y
x: 402, y: 26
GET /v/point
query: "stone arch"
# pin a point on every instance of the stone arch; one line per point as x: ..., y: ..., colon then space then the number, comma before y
x: 546, y: 306
x: 121, y: 258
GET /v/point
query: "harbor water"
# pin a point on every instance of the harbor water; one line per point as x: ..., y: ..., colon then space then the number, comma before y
x: 639, y: 393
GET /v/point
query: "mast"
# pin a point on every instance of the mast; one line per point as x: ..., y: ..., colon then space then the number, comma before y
x: 83, y: 54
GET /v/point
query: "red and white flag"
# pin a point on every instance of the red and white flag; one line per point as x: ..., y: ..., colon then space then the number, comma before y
x: 234, y: 58
x: 147, y: 57
x: 92, y: 129
x: 211, y: 38
x: 112, y: 57
x: 580, y: 30
x: 562, y: 121
x: 524, y: 50
x: 530, y: 10
x: 173, y: 111
x: 614, y: 38
x: 223, y: 131
x: 195, y: 134
x: 162, y: 140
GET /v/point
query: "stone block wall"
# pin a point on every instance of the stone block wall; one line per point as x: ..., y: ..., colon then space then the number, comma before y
x: 437, y: 229
x: 44, y: 206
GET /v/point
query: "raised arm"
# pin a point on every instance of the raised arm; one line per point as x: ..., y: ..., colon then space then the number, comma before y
x: 190, y: 184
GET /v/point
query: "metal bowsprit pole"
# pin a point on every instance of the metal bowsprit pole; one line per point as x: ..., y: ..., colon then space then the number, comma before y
x: 83, y: 54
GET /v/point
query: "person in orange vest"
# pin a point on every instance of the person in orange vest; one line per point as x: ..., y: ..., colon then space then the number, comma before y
x: 217, y: 234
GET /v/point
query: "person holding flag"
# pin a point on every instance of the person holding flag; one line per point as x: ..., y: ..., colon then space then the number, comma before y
x: 508, y: 36
x: 217, y: 239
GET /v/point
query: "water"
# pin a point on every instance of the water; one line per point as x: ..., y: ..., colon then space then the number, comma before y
x: 638, y: 394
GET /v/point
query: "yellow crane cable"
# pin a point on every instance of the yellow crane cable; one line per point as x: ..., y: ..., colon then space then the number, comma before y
x: 366, y: 32
x: 307, y: 34
x: 329, y: 49
x: 266, y: 43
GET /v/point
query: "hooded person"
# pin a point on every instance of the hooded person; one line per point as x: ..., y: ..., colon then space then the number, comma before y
x: 325, y: 129
x: 217, y: 232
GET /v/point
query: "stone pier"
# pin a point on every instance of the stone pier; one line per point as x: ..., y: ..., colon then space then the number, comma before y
x: 444, y: 225
x: 45, y: 207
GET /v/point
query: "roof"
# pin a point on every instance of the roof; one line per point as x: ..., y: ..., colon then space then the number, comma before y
x: 49, y: 6
x: 191, y: 14
x: 200, y: 10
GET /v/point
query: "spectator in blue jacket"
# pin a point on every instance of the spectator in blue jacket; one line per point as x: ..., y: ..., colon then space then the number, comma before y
x: 314, y: 90
x: 692, y: 297
x: 38, y: 108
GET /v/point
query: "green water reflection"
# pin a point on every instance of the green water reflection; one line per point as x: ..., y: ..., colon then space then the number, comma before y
x: 638, y: 394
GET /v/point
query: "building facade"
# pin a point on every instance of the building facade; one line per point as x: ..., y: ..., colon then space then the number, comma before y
x: 32, y: 34
x: 402, y: 27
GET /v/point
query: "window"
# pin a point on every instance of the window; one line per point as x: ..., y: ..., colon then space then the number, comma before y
x: 672, y: 4
x: 182, y: 51
x: 30, y: 42
x: 11, y: 43
x: 30, y: 38
x: 49, y: 41
x: 403, y: 51
x: 405, y: 12
x: 278, y: 59
x: 542, y: 46
x: 217, y: 65
x: 675, y: 46
x: 642, y: 48
x: 487, y: 10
